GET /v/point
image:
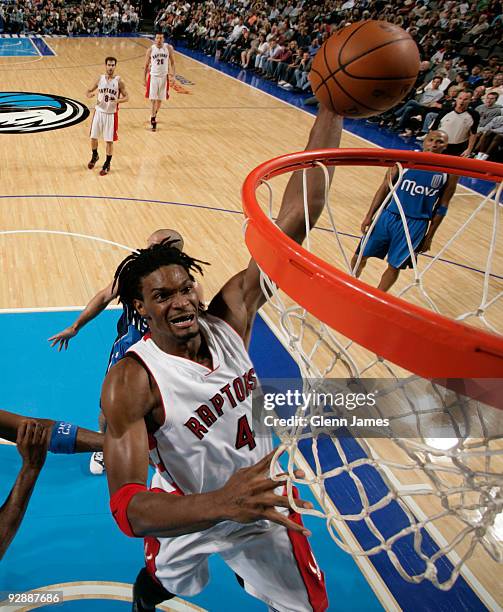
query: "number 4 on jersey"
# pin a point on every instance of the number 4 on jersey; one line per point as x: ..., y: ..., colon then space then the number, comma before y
x: 245, y: 435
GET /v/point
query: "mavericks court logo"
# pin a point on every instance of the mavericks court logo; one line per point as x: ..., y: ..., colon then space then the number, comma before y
x: 24, y: 112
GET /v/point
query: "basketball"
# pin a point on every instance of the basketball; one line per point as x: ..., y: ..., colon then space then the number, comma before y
x: 365, y: 69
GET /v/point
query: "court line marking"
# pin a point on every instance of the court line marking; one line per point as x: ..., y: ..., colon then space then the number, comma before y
x: 203, y: 207
x: 30, y: 38
x: 100, y: 589
x: 44, y: 38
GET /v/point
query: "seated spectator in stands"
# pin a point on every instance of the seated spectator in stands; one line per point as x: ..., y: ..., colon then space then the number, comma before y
x: 248, y: 55
x: 297, y: 73
x: 480, y: 27
x: 424, y: 101
x: 460, y: 125
x: 475, y: 77
x: 448, y: 102
x: 471, y: 57
x: 489, y: 109
x: 478, y: 96
x: 497, y: 87
x: 461, y: 80
x: 490, y: 140
x: 487, y: 76
x: 279, y: 62
x: 261, y: 59
x: 494, y: 63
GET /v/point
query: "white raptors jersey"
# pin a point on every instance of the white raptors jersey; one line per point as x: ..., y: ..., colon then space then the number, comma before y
x: 159, y: 58
x: 108, y: 94
x: 207, y: 431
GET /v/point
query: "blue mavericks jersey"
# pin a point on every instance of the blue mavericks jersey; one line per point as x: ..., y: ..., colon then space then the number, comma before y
x: 127, y: 335
x: 419, y: 192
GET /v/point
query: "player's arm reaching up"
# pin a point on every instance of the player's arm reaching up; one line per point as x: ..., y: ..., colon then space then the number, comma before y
x: 128, y: 396
x: 440, y: 212
x: 96, y: 305
x: 92, y: 90
x: 241, y: 297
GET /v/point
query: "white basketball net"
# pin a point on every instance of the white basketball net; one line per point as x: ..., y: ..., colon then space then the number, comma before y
x: 449, y: 488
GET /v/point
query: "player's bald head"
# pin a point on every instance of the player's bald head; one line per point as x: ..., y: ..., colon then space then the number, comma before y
x: 436, y: 141
x: 166, y: 234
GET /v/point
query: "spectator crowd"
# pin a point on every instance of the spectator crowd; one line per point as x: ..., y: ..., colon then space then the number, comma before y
x: 460, y: 44
x: 60, y: 17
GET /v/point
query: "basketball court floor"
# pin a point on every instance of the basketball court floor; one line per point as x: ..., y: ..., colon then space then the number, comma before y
x: 63, y: 231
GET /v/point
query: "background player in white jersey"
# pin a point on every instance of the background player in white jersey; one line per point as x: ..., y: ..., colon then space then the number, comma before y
x: 159, y: 69
x: 111, y: 91
x: 184, y: 394
x: 425, y: 197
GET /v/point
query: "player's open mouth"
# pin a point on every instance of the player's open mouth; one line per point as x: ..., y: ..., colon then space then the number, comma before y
x: 183, y: 321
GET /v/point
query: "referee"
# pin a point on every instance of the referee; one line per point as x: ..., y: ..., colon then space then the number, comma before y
x: 460, y: 125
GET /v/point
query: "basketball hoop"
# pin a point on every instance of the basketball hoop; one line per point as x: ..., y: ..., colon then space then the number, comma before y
x: 326, y: 318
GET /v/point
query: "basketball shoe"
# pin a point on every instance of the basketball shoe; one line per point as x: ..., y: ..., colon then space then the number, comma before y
x: 93, y: 161
x: 97, y: 463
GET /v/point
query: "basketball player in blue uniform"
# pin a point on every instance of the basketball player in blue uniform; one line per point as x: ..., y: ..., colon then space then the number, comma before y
x: 127, y: 333
x: 424, y: 197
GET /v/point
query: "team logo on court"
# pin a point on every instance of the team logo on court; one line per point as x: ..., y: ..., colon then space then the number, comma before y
x: 23, y: 112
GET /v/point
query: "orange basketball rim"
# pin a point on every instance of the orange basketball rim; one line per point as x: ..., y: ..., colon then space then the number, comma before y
x: 421, y: 341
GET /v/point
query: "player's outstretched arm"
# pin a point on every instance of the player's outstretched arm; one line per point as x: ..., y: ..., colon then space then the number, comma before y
x: 96, y: 305
x: 86, y: 441
x: 241, y: 297
x: 128, y: 396
x: 32, y: 440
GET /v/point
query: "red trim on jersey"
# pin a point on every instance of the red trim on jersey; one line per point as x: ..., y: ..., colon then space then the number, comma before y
x: 232, y: 328
x: 116, y: 124
x: 167, y: 87
x: 119, y: 503
x: 147, y: 87
x: 92, y: 121
x: 152, y: 546
x: 312, y: 576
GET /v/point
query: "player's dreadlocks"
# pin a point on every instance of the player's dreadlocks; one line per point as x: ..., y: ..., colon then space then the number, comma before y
x: 136, y: 266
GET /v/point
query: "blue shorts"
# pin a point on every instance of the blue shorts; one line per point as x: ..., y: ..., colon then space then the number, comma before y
x: 388, y: 238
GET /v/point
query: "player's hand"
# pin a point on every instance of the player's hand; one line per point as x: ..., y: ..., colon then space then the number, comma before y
x: 32, y: 442
x: 425, y: 245
x: 365, y: 224
x: 249, y: 496
x: 90, y: 94
x: 63, y: 338
x: 466, y: 153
